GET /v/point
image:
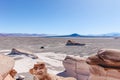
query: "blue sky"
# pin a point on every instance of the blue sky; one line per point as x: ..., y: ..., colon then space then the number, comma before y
x: 60, y: 16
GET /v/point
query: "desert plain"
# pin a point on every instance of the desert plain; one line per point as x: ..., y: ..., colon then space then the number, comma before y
x: 54, y: 51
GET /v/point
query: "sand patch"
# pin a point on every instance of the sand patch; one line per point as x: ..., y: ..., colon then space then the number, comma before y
x: 52, y: 60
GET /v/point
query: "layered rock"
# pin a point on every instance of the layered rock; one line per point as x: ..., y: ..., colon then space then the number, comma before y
x: 72, y: 43
x: 40, y: 72
x: 6, y: 65
x: 22, y: 52
x: 76, y: 67
x: 106, y: 58
x: 105, y: 65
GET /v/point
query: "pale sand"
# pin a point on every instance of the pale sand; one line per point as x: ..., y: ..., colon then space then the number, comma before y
x: 52, y: 60
x: 23, y: 63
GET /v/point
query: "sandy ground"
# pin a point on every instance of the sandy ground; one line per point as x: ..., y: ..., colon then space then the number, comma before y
x: 52, y: 60
x: 23, y: 63
x: 54, y: 51
x: 57, y: 45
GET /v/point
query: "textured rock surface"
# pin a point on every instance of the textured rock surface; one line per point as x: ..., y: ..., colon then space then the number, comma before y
x: 102, y: 66
x: 8, y: 77
x: 72, y: 43
x: 76, y: 67
x: 6, y: 65
x: 22, y: 52
x: 106, y: 58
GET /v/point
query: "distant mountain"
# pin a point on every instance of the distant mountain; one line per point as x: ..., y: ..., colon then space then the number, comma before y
x: 75, y: 35
x: 47, y: 35
x: 89, y: 36
x: 114, y: 34
x: 22, y: 35
x: 71, y: 35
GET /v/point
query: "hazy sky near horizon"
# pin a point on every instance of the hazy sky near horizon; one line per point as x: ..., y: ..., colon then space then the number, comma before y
x: 60, y: 16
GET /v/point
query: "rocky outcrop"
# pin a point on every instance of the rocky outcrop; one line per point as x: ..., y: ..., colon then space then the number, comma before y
x: 6, y: 65
x: 106, y: 58
x: 39, y: 72
x: 22, y: 52
x: 102, y: 66
x: 72, y: 43
x: 76, y: 67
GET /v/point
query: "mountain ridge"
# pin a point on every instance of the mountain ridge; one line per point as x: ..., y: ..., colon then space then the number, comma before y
x: 114, y: 34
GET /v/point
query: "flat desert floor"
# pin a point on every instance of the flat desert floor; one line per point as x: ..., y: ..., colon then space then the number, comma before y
x: 54, y: 50
x: 57, y: 45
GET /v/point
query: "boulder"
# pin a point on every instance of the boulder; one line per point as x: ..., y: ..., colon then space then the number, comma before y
x: 72, y: 43
x: 76, y: 67
x: 102, y: 66
x: 106, y: 58
x: 22, y: 52
x: 42, y: 47
x: 6, y: 65
x: 40, y: 72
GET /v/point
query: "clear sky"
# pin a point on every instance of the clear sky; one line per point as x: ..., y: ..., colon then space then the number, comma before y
x: 60, y: 16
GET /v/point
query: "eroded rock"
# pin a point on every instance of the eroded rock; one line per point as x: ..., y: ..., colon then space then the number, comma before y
x: 72, y: 43
x: 6, y: 68
x: 105, y: 65
x: 22, y: 52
